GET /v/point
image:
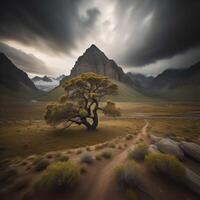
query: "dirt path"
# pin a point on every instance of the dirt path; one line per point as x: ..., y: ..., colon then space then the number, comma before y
x: 101, y: 187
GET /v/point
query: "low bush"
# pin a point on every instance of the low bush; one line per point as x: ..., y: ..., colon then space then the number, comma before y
x: 128, y: 175
x: 120, y: 147
x: 50, y: 155
x: 106, y: 154
x: 87, y: 158
x: 139, y: 152
x: 64, y: 158
x: 41, y: 164
x: 79, y: 151
x: 88, y: 148
x: 167, y: 165
x: 59, y: 176
x: 129, y: 137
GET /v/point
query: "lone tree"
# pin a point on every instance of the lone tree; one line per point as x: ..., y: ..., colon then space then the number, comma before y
x: 81, y: 103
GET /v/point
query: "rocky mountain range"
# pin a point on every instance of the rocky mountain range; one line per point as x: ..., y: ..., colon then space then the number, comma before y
x: 172, y: 84
x: 94, y: 60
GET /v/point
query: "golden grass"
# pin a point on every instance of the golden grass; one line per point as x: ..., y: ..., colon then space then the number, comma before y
x: 177, y: 129
x: 26, y: 138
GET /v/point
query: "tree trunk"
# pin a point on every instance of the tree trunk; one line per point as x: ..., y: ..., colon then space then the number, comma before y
x: 95, y: 120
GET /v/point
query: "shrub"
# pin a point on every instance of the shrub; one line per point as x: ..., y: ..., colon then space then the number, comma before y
x: 59, y: 176
x: 41, y: 164
x: 79, y: 151
x: 139, y: 152
x: 64, y: 158
x: 88, y: 148
x: 106, y: 154
x: 166, y: 165
x: 128, y: 175
x: 129, y: 137
x: 87, y: 158
x: 125, y: 145
x: 49, y: 155
x: 110, y: 109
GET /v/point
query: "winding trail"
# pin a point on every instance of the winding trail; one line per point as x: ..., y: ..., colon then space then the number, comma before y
x: 103, y: 181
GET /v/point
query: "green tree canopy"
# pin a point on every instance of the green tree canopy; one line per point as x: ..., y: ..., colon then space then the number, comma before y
x: 81, y: 102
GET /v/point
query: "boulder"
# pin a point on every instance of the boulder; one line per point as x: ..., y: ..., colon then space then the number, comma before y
x: 191, y: 149
x: 152, y: 148
x: 192, y: 181
x: 154, y: 139
x: 169, y: 146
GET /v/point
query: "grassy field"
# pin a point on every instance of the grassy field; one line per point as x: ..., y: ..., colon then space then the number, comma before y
x: 25, y: 138
x: 28, y: 145
x: 179, y: 129
x: 23, y: 130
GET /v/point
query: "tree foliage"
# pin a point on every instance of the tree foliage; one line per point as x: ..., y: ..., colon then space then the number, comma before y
x: 111, y: 110
x: 81, y: 103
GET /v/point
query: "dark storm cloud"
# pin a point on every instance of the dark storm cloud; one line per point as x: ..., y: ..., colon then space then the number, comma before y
x: 55, y: 24
x: 173, y: 29
x: 26, y: 62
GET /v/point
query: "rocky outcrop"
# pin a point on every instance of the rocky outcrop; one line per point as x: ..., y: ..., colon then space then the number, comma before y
x: 191, y: 149
x: 168, y: 146
x: 154, y: 139
x: 192, y: 181
x: 152, y: 148
x: 94, y: 60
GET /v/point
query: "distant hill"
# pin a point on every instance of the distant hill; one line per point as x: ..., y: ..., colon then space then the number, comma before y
x: 177, y: 78
x: 176, y: 84
x: 13, y: 81
x: 140, y: 80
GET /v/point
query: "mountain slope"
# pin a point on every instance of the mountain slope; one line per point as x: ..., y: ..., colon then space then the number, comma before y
x: 176, y: 84
x: 177, y: 78
x: 13, y: 81
x: 125, y: 94
x: 140, y: 80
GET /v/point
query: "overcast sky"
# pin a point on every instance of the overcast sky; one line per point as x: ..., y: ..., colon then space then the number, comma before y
x: 145, y: 36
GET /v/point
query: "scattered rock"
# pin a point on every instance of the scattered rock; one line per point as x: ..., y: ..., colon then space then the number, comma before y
x: 154, y: 139
x: 192, y: 181
x: 191, y: 149
x: 169, y: 146
x: 152, y: 148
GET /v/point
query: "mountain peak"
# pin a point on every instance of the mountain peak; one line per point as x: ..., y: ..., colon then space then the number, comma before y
x: 93, y: 49
x: 94, y: 60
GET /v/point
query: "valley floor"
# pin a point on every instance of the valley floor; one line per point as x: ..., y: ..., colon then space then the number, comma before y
x: 23, y: 132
